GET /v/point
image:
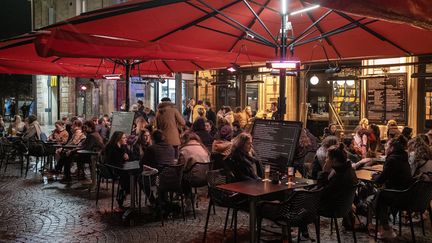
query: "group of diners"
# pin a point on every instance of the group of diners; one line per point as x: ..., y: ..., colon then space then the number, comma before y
x: 405, y: 160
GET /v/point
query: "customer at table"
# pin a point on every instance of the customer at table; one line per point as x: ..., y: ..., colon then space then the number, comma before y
x: 59, y: 135
x: 321, y: 155
x: 192, y: 150
x: 419, y: 158
x: 115, y: 153
x: 222, y: 144
x: 396, y: 175
x: 17, y: 126
x: 361, y: 141
x: 160, y: 153
x: 139, y: 144
x: 103, y: 129
x: 199, y: 129
x: 242, y: 161
x: 338, y: 177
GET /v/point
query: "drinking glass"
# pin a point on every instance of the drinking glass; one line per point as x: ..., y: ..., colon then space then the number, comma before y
x: 267, y: 173
x: 290, y: 174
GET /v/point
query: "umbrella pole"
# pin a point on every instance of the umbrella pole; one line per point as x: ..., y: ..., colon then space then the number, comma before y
x: 282, y: 72
x: 196, y: 85
x: 127, y: 79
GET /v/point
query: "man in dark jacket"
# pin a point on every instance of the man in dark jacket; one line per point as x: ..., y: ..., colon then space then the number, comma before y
x: 210, y: 114
x: 160, y: 153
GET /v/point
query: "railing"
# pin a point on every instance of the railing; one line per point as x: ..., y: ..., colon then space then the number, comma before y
x: 336, y: 116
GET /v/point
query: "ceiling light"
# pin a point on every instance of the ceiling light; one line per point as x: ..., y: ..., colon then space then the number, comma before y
x: 233, y: 67
x: 286, y: 64
x: 350, y: 82
x: 340, y: 82
x: 314, y: 80
x: 83, y: 87
x: 304, y: 9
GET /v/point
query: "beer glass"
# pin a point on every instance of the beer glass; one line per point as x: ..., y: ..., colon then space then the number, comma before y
x: 267, y: 173
x: 290, y: 175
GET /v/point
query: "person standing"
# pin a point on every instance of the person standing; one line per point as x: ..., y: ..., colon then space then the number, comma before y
x: 187, y: 113
x: 210, y: 114
x: 168, y: 120
x: 274, y: 111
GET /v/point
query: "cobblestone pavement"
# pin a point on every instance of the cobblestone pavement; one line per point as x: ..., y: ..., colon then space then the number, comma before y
x: 33, y: 212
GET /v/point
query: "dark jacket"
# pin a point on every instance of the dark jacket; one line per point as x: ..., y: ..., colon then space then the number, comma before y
x: 93, y: 142
x: 339, y: 185
x: 199, y: 129
x: 242, y: 166
x: 159, y: 155
x: 211, y: 116
x: 397, y: 171
x: 114, y: 155
x: 103, y: 132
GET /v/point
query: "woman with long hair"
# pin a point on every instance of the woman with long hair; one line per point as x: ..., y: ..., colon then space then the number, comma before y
x: 419, y: 157
x: 116, y: 154
x: 244, y: 164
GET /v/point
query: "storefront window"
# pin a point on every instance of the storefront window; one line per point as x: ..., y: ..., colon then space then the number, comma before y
x: 167, y: 89
x: 252, y: 96
x: 345, y: 105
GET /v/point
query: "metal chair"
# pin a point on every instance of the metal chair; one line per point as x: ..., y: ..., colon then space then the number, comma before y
x: 339, y: 208
x: 170, y: 181
x: 222, y: 198
x: 417, y: 198
x: 300, y: 209
x: 196, y: 177
x: 103, y: 172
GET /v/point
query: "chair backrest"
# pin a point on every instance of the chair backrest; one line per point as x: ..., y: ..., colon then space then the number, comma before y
x: 420, y: 196
x: 216, y: 177
x: 170, y: 178
x: 197, y: 175
x: 104, y: 171
x: 218, y: 161
x: 340, y: 206
x: 301, y: 208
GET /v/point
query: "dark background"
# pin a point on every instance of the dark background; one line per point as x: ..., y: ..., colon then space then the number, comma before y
x: 15, y: 17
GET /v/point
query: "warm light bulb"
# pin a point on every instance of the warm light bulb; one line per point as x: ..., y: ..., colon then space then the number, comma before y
x: 314, y: 80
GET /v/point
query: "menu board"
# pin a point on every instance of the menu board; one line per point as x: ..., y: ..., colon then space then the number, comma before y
x: 122, y: 121
x: 386, y: 99
x: 275, y: 142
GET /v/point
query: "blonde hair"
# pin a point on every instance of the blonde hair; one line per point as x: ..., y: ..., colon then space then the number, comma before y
x: 364, y: 122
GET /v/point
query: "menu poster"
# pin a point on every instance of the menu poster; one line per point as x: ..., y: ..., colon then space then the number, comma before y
x: 122, y: 121
x: 275, y: 142
x: 386, y: 99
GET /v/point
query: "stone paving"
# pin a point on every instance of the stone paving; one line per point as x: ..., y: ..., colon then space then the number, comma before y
x: 33, y: 212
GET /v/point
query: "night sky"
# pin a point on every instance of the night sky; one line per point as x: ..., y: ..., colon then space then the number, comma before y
x: 15, y: 18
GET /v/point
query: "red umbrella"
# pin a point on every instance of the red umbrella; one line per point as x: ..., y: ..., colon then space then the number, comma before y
x: 229, y: 25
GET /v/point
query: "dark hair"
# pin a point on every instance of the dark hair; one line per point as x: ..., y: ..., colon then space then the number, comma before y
x: 329, y: 141
x: 188, y: 136
x: 141, y: 138
x: 274, y: 103
x: 115, y: 138
x: 199, y: 125
x: 399, y: 143
x: 77, y: 122
x: 236, y: 124
x: 238, y: 109
x: 227, y: 108
x: 407, y: 131
x: 31, y: 119
x: 158, y: 136
x: 166, y: 99
x: 425, y: 138
x: 90, y: 124
x: 208, y: 103
x: 199, y: 102
x: 140, y: 102
x: 59, y: 123
x: 101, y: 120
x: 338, y: 154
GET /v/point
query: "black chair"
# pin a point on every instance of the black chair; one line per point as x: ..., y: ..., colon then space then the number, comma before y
x: 300, y: 209
x: 341, y: 207
x: 223, y: 198
x: 104, y: 172
x: 170, y: 181
x: 9, y: 150
x: 196, y: 177
x: 35, y: 149
x: 417, y: 198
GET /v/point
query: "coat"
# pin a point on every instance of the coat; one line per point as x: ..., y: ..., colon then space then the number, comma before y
x: 396, y: 172
x: 191, y: 153
x: 159, y: 155
x: 244, y: 166
x: 168, y: 120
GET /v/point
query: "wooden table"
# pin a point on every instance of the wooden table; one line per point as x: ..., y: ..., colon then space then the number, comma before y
x: 255, y: 190
x: 365, y: 173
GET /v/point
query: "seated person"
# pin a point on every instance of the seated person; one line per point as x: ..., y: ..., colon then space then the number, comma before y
x: 138, y: 144
x: 192, y: 150
x: 420, y: 158
x: 321, y: 155
x: 396, y: 175
x: 59, y: 135
x: 222, y: 144
x: 115, y: 153
x: 242, y: 161
x: 160, y: 153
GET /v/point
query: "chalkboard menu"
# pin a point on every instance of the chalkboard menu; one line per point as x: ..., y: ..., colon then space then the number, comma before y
x: 386, y: 99
x: 275, y: 142
x: 122, y: 121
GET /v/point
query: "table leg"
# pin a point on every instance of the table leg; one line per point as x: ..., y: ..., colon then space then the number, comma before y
x: 252, y: 219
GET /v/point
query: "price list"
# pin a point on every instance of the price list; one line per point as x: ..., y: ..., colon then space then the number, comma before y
x: 386, y: 99
x: 275, y: 142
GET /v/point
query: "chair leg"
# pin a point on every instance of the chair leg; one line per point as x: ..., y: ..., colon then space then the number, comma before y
x: 171, y: 202
x: 6, y: 164
x: 232, y: 219
x: 430, y: 214
x: 235, y: 225
x: 97, y: 188
x: 226, y: 220
x: 193, y: 204
x: 337, y: 230
x: 331, y: 226
x: 298, y: 235
x: 27, y: 166
x: 353, y: 226
x: 422, y: 224
x: 411, y: 225
x: 207, y: 219
x: 196, y: 203
x: 214, y: 210
x: 259, y: 222
x: 376, y: 226
x: 400, y: 222
x: 317, y: 229
x: 182, y: 207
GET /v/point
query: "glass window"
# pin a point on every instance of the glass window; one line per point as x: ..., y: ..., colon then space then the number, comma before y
x: 167, y: 89
x: 345, y: 106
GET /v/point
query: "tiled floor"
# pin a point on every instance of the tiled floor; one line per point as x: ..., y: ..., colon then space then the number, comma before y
x: 33, y: 212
